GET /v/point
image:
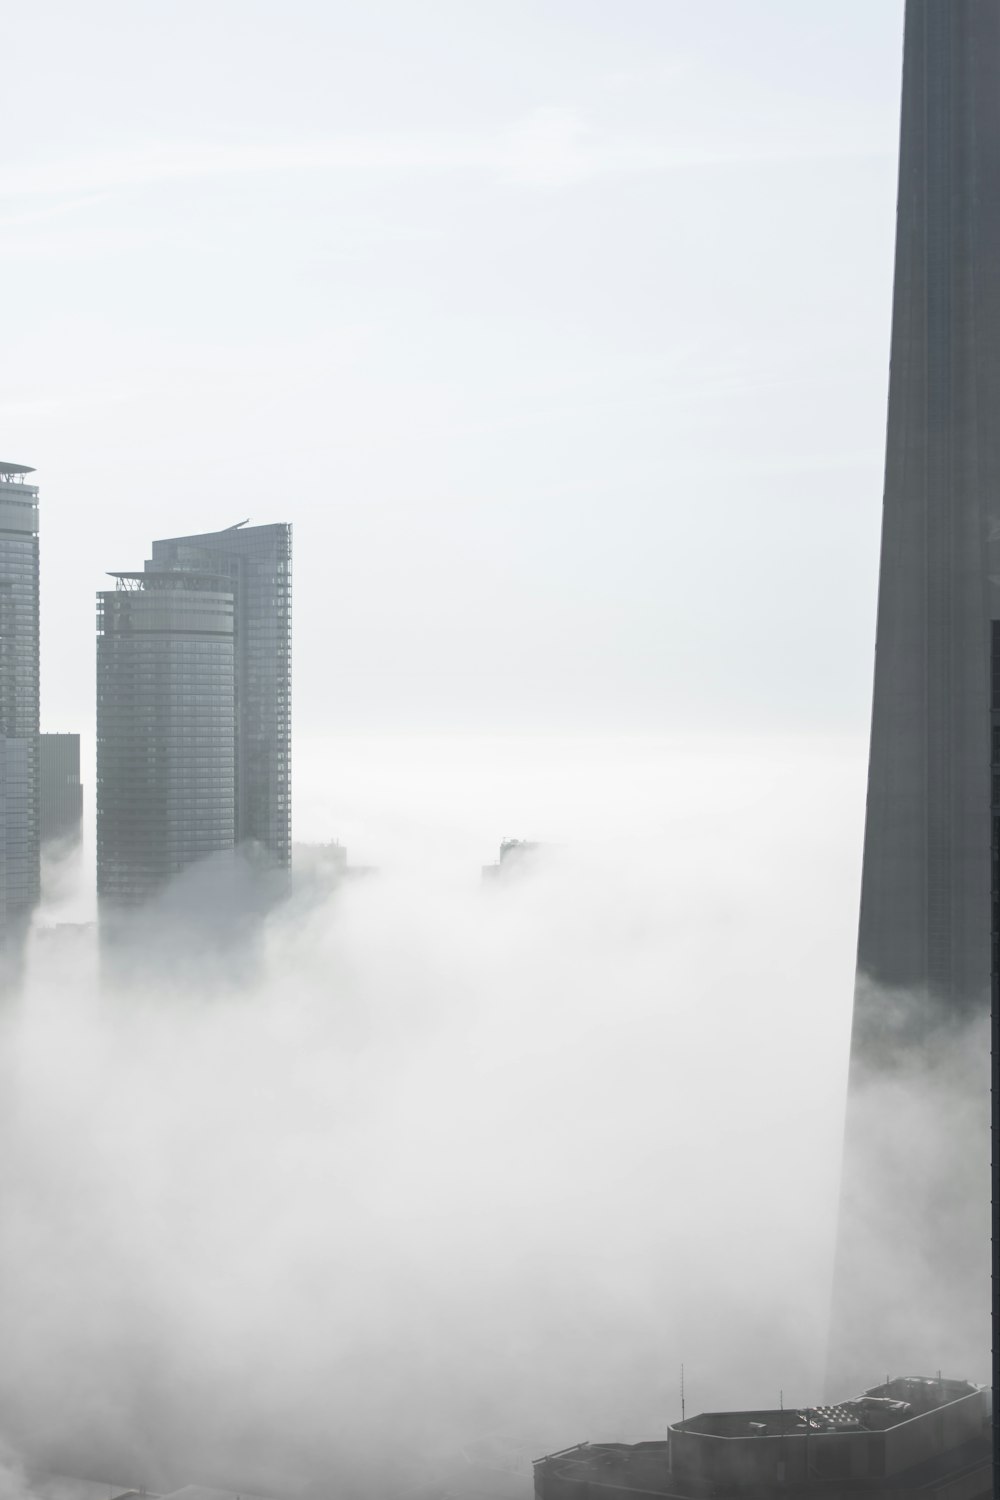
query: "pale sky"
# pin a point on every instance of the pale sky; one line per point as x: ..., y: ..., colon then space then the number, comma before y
x: 558, y: 329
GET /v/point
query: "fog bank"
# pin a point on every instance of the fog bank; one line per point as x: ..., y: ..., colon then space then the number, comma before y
x: 447, y: 1161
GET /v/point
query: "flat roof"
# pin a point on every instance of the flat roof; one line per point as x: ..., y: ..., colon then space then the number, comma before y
x: 876, y: 1409
x: 175, y: 575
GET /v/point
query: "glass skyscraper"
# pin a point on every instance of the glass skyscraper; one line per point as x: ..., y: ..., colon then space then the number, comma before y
x: 193, y: 703
x: 165, y: 730
x: 257, y: 560
x: 19, y: 866
x: 60, y: 795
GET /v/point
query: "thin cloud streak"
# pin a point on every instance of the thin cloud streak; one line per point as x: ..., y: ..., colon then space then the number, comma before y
x: 549, y: 148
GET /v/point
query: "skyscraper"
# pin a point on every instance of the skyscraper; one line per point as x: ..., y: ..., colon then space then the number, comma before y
x: 914, y: 1210
x: 258, y: 562
x: 193, y: 734
x: 60, y: 794
x: 165, y: 731
x: 18, y: 703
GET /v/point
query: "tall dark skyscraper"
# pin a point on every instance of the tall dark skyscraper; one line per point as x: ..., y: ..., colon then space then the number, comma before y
x: 258, y: 562
x: 19, y: 865
x: 193, y: 698
x: 911, y: 1279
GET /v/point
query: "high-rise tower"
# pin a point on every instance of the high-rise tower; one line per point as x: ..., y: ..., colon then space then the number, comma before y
x: 914, y: 1214
x: 165, y: 731
x: 19, y: 864
x: 258, y: 562
x: 193, y: 690
x: 60, y: 794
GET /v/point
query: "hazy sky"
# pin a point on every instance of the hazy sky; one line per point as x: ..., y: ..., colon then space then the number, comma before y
x: 558, y: 329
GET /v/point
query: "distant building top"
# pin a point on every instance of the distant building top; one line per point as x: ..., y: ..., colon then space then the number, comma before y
x: 20, y: 498
x: 514, y: 854
x: 914, y: 1435
x: 881, y: 1407
x: 238, y: 534
x: 134, y: 582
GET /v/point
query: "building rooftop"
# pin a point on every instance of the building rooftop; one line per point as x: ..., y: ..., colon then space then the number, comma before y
x: 881, y: 1407
x: 915, y: 1435
x: 514, y: 854
x: 9, y: 471
x: 238, y: 532
x: 134, y: 581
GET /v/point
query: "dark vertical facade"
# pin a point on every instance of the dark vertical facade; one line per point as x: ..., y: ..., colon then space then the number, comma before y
x: 995, y: 1032
x: 257, y: 561
x: 923, y: 985
x: 19, y: 682
x: 165, y: 731
x: 60, y: 793
x: 925, y: 883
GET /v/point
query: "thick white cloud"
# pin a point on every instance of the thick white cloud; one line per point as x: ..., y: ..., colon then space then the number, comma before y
x: 448, y: 1160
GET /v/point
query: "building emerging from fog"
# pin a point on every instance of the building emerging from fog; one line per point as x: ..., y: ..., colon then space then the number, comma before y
x: 19, y: 855
x: 193, y: 697
x: 257, y: 562
x: 516, y: 855
x: 914, y: 1436
x: 925, y: 890
x: 60, y: 794
x: 165, y: 730
x: 923, y: 977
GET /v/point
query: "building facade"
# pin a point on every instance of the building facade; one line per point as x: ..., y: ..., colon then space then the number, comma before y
x: 165, y: 731
x: 60, y: 793
x: 915, y: 1193
x: 257, y: 561
x: 516, y: 856
x: 995, y: 1016
x: 911, y: 1436
x: 925, y: 886
x: 193, y: 731
x: 19, y: 693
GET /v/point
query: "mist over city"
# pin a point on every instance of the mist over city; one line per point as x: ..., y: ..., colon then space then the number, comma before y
x: 454, y: 1164
x: 493, y: 1003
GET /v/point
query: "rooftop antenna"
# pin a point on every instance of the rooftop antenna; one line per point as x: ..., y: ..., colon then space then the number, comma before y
x: 239, y: 524
x: 682, y: 1396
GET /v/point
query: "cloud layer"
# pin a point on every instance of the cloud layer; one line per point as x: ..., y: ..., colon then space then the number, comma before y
x: 448, y: 1162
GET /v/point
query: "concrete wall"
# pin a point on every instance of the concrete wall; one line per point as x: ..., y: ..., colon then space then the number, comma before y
x: 923, y: 941
x: 935, y: 1432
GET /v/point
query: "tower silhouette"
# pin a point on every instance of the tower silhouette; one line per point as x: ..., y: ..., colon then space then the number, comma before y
x: 911, y: 1280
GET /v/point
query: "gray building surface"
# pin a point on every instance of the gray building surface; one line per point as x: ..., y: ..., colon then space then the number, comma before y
x: 257, y: 561
x: 911, y: 1436
x: 516, y: 856
x: 19, y: 684
x: 165, y: 730
x: 193, y: 731
x: 914, y: 1211
x: 925, y: 889
x: 60, y: 793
